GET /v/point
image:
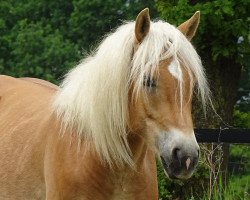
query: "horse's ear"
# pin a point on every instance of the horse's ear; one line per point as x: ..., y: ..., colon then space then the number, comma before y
x: 142, y: 25
x: 189, y: 27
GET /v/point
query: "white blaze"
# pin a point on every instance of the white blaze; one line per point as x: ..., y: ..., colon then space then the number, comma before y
x: 175, y: 69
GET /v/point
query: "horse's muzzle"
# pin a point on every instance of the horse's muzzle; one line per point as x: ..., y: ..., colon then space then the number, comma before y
x: 181, y: 163
x: 179, y: 153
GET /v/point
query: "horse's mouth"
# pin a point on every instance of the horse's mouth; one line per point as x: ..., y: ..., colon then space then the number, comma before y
x: 167, y: 170
x: 173, y: 170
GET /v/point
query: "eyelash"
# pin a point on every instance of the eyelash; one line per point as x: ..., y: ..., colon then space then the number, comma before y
x: 149, y: 82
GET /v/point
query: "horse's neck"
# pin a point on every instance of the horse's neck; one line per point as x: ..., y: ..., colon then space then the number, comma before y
x: 83, y: 169
x: 138, y: 148
x: 139, y: 182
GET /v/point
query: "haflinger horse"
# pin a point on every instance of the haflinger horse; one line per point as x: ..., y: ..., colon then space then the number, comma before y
x: 97, y: 136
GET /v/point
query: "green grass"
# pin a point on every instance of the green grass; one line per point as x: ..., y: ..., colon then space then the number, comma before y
x: 238, y: 188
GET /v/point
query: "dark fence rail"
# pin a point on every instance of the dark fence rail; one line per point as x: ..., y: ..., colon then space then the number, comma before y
x: 225, y: 135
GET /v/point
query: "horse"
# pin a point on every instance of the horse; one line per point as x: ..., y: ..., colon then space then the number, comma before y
x: 98, y: 135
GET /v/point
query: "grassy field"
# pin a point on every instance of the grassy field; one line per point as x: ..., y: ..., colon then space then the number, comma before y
x: 238, y: 188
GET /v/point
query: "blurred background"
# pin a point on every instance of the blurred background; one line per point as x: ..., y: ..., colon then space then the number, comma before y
x: 46, y: 38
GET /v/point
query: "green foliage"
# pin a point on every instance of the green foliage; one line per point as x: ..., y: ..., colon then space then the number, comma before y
x: 31, y: 43
x: 239, y: 159
x: 238, y: 188
x: 163, y: 183
x: 134, y: 7
x: 46, y: 52
x: 44, y: 38
x: 222, y: 23
x: 241, y: 119
x: 240, y: 151
x: 92, y: 19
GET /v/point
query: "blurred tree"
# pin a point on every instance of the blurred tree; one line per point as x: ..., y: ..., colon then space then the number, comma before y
x: 133, y: 7
x: 91, y: 20
x: 44, y: 38
x: 32, y: 41
x: 46, y: 52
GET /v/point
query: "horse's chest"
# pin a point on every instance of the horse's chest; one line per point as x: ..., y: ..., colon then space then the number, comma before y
x: 125, y: 187
x: 122, y: 190
x: 130, y: 188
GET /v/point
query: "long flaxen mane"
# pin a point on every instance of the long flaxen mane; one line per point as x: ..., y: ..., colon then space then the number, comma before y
x: 93, y: 98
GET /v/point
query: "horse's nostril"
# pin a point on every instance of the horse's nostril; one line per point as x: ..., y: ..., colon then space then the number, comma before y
x: 175, y: 153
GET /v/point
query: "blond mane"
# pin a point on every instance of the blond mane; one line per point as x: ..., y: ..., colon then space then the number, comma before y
x: 93, y: 98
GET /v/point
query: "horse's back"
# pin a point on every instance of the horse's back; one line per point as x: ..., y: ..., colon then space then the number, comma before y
x: 25, y: 97
x: 7, y: 82
x: 25, y: 111
x: 40, y: 82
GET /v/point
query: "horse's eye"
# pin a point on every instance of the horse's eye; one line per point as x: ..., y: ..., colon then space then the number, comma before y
x: 149, y: 82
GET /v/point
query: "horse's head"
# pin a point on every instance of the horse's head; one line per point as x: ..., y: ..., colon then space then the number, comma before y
x: 164, y: 92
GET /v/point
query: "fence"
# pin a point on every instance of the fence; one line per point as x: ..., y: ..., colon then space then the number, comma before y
x: 229, y: 136
x: 225, y: 135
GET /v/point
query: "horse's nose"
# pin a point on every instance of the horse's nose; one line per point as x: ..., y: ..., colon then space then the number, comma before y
x: 186, y: 160
x: 179, y: 154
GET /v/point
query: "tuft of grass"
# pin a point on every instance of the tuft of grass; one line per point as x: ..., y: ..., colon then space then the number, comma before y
x: 237, y: 188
